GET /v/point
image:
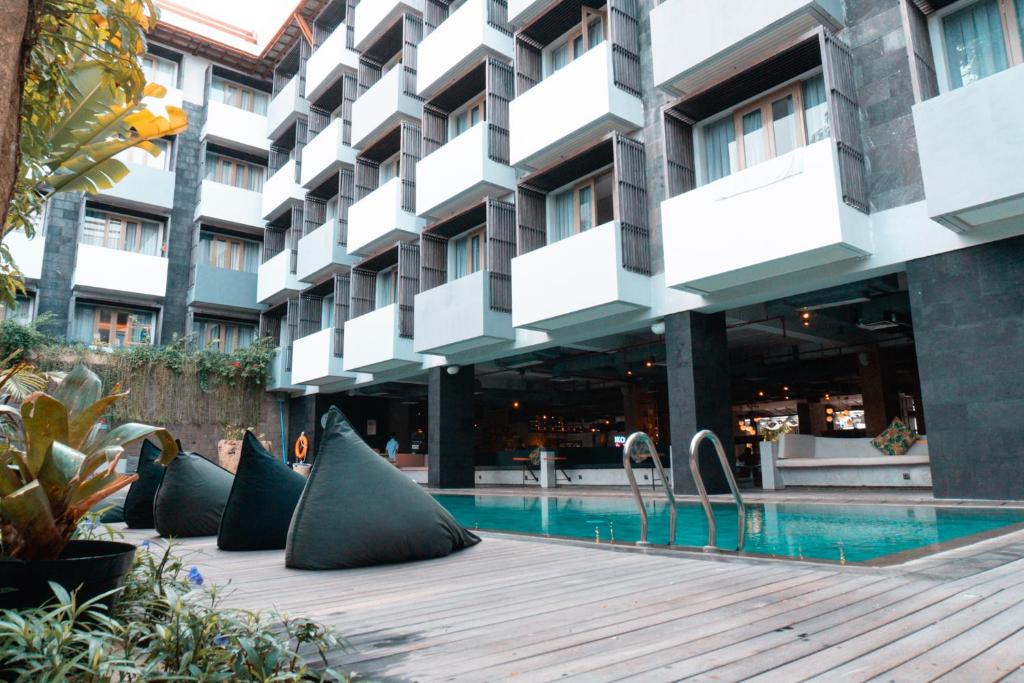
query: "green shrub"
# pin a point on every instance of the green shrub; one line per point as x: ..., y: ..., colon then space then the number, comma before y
x: 166, y: 626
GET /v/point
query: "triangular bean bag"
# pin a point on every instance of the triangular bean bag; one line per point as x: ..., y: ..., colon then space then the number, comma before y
x: 191, y: 497
x: 138, y: 502
x: 261, y: 503
x: 358, y: 510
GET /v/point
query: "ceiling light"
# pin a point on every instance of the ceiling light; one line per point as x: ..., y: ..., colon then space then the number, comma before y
x: 658, y: 328
x: 453, y: 369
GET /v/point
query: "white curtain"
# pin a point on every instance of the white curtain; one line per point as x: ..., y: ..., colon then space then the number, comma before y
x: 461, y: 257
x: 562, y: 225
x: 815, y: 109
x: 246, y: 333
x: 719, y: 147
x: 251, y: 257
x: 83, y: 324
x: 974, y: 43
x: 327, y: 312
x: 150, y: 239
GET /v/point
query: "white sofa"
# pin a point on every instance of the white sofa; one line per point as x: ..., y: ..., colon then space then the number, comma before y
x: 805, y: 460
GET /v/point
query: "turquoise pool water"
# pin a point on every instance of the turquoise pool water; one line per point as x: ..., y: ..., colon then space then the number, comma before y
x: 854, y: 533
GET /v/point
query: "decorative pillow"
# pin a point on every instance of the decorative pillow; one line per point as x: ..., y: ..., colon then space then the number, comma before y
x: 896, y: 439
x: 261, y: 503
x: 358, y: 510
x: 191, y: 497
x: 138, y: 502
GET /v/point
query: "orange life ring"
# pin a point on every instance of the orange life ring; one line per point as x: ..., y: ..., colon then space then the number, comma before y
x: 301, y: 447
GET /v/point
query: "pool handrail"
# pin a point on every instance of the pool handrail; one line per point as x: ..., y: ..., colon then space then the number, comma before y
x: 741, y: 508
x: 627, y: 464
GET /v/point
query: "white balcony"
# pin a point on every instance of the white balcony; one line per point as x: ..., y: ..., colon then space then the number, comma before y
x: 113, y: 271
x: 27, y: 253
x: 378, y: 219
x: 696, y: 43
x: 382, y: 106
x: 462, y: 40
x: 144, y: 188
x: 779, y: 217
x: 287, y: 106
x: 522, y: 12
x: 281, y: 191
x: 576, y: 280
x: 571, y: 108
x: 229, y: 206
x: 314, y: 362
x: 460, y: 173
x: 372, y: 343
x: 325, y: 154
x: 275, y: 280
x: 223, y: 288
x: 279, y: 377
x: 457, y: 317
x: 971, y: 142
x: 320, y: 254
x: 328, y: 63
x: 372, y: 17
x: 235, y: 128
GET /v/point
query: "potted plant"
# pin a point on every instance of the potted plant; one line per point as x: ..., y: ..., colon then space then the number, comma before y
x: 56, y: 463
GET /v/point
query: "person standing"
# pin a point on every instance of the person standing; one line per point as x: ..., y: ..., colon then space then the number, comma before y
x: 392, y: 448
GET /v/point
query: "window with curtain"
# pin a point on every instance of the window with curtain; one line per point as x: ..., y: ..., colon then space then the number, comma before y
x: 589, y: 33
x: 124, y: 233
x: 469, y: 253
x: 21, y: 312
x: 978, y: 43
x: 221, y: 251
x: 331, y: 210
x: 389, y: 168
x: 387, y: 287
x: 776, y: 124
x: 234, y: 172
x: 327, y: 312
x: 588, y: 204
x: 223, y: 336
x: 239, y: 96
x: 116, y: 327
x: 468, y: 116
x: 160, y: 70
x: 141, y: 157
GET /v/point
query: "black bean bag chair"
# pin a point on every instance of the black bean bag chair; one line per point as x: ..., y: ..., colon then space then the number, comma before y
x: 358, y: 510
x: 191, y: 497
x: 138, y: 502
x: 112, y: 514
x: 261, y: 503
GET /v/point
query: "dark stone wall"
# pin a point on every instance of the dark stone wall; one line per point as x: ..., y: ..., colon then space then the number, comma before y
x: 697, y: 356
x: 54, y: 290
x: 451, y: 454
x: 179, y: 242
x: 968, y: 312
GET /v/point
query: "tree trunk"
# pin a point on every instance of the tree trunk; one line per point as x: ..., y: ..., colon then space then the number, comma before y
x: 15, y: 43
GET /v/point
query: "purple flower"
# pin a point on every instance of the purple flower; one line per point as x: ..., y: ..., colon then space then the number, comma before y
x: 145, y: 543
x: 220, y: 641
x: 194, y: 577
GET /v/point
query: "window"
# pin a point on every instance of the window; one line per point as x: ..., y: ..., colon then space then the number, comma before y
x: 586, y: 205
x: 140, y: 157
x: 125, y: 233
x: 231, y: 253
x: 776, y: 124
x: 239, y: 96
x: 20, y: 313
x: 980, y: 39
x: 469, y: 253
x: 223, y: 336
x: 115, y: 327
x: 387, y: 287
x: 587, y: 34
x: 467, y: 117
x: 327, y: 312
x: 331, y: 210
x: 390, y: 168
x: 233, y: 172
x: 160, y: 70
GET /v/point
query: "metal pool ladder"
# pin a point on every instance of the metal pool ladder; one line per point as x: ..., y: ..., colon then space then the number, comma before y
x: 627, y: 463
x: 741, y: 508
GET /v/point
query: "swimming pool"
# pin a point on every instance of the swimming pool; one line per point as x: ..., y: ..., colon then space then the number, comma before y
x: 851, y: 533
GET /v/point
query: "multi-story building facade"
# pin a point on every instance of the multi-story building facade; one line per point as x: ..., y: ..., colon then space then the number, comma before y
x: 468, y: 222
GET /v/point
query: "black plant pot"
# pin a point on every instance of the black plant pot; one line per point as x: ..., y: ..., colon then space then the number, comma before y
x: 92, y: 567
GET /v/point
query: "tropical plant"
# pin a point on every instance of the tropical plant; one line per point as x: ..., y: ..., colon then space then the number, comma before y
x: 59, y: 463
x: 167, y: 625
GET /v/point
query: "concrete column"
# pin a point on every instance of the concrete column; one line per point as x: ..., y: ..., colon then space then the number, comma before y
x: 803, y: 414
x: 698, y: 394
x: 398, y: 422
x: 303, y: 417
x: 881, y: 402
x: 451, y: 458
x: 969, y: 334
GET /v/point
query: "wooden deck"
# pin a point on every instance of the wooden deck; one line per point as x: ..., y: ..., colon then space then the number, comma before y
x: 533, y: 610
